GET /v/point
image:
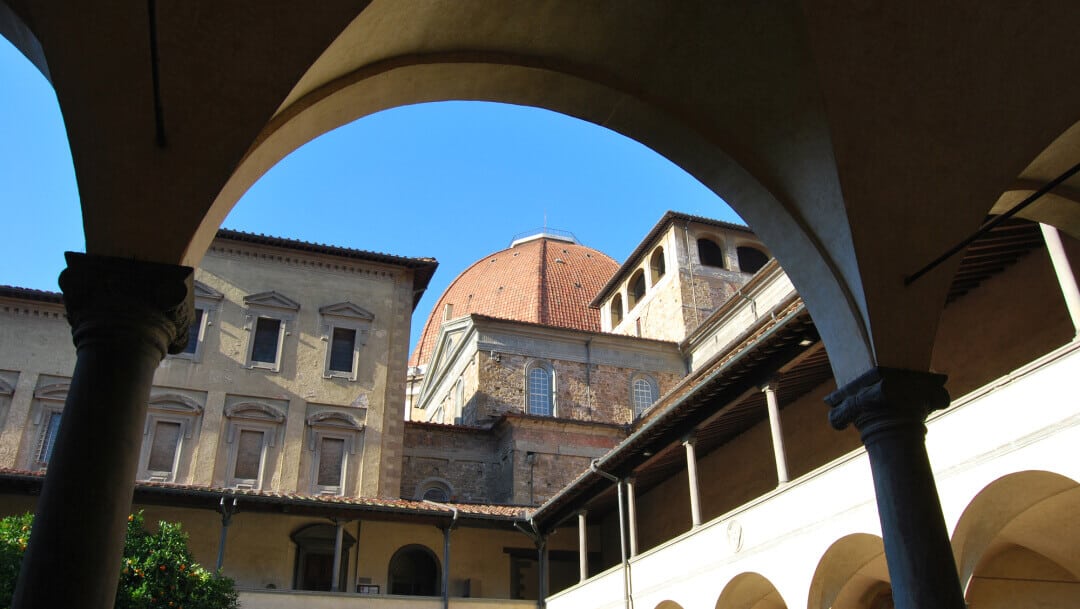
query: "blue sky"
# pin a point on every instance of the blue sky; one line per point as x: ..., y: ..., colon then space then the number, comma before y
x: 454, y: 181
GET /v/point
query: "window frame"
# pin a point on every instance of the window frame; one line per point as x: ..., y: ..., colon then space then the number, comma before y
x: 345, y: 316
x: 657, y: 265
x: 208, y: 300
x: 168, y: 408
x: 268, y: 305
x: 338, y: 426
x: 250, y: 416
x: 551, y: 388
x: 48, y: 401
x: 654, y: 387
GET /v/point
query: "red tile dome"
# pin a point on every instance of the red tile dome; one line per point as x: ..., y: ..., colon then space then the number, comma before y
x: 546, y: 279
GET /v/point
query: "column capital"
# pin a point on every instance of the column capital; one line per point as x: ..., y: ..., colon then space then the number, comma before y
x: 883, y: 398
x: 770, y: 384
x: 108, y: 293
x: 689, y: 439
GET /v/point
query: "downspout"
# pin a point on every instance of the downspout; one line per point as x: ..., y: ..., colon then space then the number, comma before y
x: 690, y: 266
x: 446, y: 551
x: 588, y: 374
x: 227, y: 512
x: 593, y: 467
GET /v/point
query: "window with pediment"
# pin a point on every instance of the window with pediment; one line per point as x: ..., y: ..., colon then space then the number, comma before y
x: 44, y: 425
x: 268, y: 319
x: 334, y: 440
x: 344, y: 327
x: 207, y: 304
x: 251, y: 434
x: 171, y: 423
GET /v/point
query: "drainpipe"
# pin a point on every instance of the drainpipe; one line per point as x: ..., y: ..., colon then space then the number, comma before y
x: 227, y: 512
x: 690, y: 266
x: 594, y: 467
x: 588, y: 374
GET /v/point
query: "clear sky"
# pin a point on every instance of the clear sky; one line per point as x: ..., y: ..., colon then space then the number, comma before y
x: 454, y: 181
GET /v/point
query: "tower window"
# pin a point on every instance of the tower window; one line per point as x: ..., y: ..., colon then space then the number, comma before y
x: 657, y: 267
x: 710, y: 253
x: 637, y: 288
x: 616, y: 310
x: 751, y: 259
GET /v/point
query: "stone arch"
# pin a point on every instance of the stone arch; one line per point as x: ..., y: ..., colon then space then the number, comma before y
x: 852, y: 574
x: 635, y: 289
x: 413, y: 571
x: 668, y: 605
x: 750, y: 591
x: 1017, y: 540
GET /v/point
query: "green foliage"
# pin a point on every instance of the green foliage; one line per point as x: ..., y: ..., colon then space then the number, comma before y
x: 157, y: 569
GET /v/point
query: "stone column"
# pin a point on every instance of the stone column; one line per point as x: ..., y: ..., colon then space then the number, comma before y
x: 583, y: 547
x: 691, y: 475
x: 631, y: 516
x: 339, y: 533
x: 124, y: 314
x: 1066, y: 279
x: 889, y: 408
x: 777, y: 431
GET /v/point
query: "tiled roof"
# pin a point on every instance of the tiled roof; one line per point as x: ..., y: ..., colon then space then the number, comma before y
x: 402, y: 506
x: 545, y: 281
x: 10, y: 291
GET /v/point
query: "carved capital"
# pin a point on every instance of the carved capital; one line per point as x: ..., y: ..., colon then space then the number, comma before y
x: 884, y: 398
x: 123, y: 297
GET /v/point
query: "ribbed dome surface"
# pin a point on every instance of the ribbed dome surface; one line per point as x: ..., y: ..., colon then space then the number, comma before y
x: 543, y: 280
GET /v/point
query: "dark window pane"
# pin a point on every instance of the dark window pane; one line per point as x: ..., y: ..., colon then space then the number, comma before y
x: 265, y: 347
x: 163, y: 450
x: 750, y: 259
x: 48, y: 437
x: 637, y: 289
x: 436, y: 494
x: 331, y: 456
x: 341, y: 350
x: 193, y: 332
x: 248, y: 454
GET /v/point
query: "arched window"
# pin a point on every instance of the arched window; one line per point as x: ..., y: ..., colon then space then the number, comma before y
x: 434, y: 489
x: 643, y: 393
x: 751, y: 259
x: 315, y: 557
x: 637, y: 288
x: 616, y: 310
x: 657, y: 266
x: 710, y: 253
x: 539, y: 389
x: 414, y: 571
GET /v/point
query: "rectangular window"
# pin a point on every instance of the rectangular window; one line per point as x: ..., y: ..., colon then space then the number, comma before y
x: 342, y: 345
x: 331, y: 461
x: 193, y: 333
x: 264, y: 345
x: 163, y: 447
x: 249, y: 454
x: 48, y: 438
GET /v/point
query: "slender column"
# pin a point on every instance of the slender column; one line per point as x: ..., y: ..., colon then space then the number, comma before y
x: 124, y: 314
x: 335, y: 580
x: 777, y: 432
x: 227, y: 512
x: 1065, y: 276
x: 446, y: 568
x: 583, y: 547
x: 691, y: 474
x: 542, y: 567
x: 631, y: 515
x: 889, y: 408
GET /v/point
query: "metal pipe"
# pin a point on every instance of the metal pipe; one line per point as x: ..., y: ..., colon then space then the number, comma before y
x: 1066, y: 279
x: 990, y: 224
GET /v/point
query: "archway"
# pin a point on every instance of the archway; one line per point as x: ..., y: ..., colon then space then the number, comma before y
x: 314, y: 565
x: 414, y: 571
x: 1017, y: 542
x: 852, y: 574
x: 750, y: 591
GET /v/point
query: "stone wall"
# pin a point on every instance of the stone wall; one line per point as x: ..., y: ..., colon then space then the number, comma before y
x: 465, y: 458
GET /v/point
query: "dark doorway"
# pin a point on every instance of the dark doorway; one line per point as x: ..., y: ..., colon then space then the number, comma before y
x: 414, y: 571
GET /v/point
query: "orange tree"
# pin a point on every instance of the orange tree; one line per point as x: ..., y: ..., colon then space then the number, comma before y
x: 157, y: 569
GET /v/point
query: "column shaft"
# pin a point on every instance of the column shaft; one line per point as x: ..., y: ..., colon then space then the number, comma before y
x: 631, y: 513
x: 1064, y: 272
x: 888, y: 408
x: 583, y: 548
x: 124, y: 315
x: 777, y: 433
x: 335, y: 580
x: 691, y: 475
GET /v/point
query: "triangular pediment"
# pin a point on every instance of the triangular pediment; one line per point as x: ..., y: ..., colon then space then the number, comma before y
x: 204, y: 291
x: 347, y: 310
x: 272, y: 299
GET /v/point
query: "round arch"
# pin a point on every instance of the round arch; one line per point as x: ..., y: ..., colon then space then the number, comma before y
x: 414, y: 571
x: 668, y: 605
x: 750, y: 591
x: 852, y: 574
x: 1018, y: 539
